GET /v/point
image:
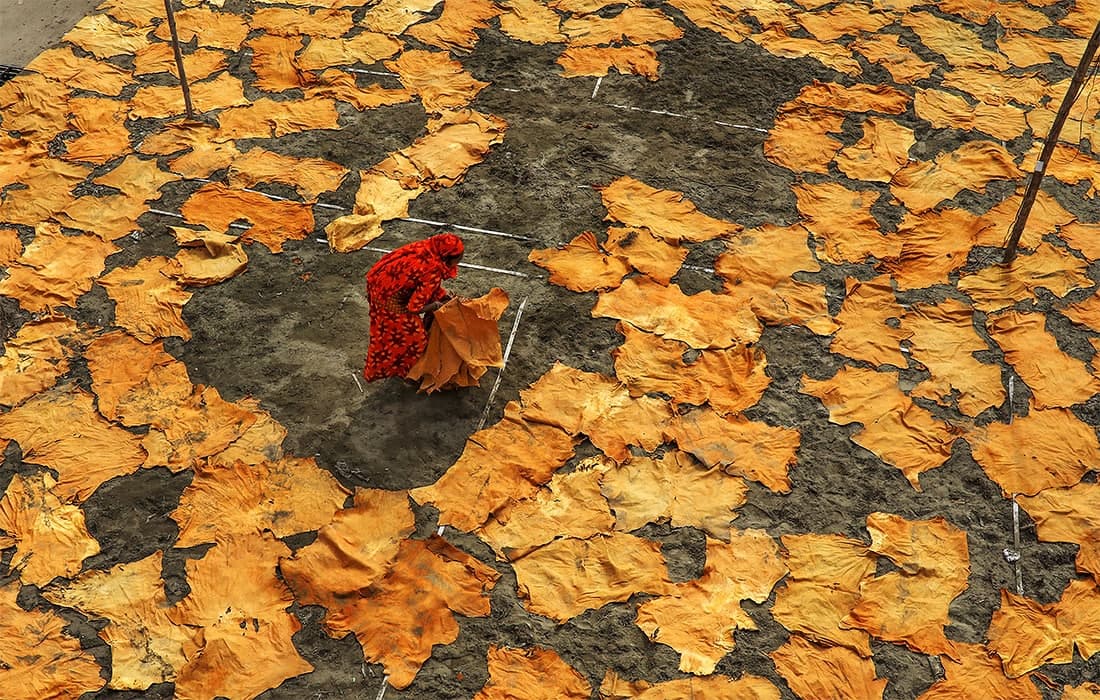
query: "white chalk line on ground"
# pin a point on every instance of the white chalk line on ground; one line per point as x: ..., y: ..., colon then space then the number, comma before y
x: 471, y: 266
x: 595, y: 91
x: 372, y: 72
x: 666, y: 113
x: 408, y: 219
x: 472, y: 229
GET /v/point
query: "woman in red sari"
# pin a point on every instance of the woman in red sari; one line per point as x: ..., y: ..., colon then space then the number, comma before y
x: 401, y: 286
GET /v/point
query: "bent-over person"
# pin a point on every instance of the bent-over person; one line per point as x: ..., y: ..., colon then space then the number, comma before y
x: 401, y: 287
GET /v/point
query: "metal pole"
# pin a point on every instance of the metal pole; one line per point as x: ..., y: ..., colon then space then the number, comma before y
x: 1036, y: 176
x: 500, y: 373
x: 179, y: 58
x: 1016, y: 544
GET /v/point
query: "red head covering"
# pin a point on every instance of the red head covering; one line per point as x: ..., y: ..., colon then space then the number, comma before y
x: 416, y: 260
x: 446, y: 245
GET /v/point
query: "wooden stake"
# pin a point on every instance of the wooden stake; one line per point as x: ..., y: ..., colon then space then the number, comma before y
x: 1036, y: 177
x: 179, y: 58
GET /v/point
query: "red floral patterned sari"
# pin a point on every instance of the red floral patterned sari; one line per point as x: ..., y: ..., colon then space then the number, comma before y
x: 399, y: 286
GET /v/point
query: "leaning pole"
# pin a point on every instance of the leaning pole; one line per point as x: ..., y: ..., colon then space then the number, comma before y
x: 1036, y: 177
x: 179, y: 58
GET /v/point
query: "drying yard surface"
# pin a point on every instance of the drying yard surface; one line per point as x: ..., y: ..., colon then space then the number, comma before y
x: 775, y: 421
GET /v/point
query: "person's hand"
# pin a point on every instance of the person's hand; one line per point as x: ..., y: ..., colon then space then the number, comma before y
x: 433, y: 307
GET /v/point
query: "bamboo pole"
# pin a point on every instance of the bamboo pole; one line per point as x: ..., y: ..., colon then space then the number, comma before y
x: 1036, y: 177
x: 179, y: 59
